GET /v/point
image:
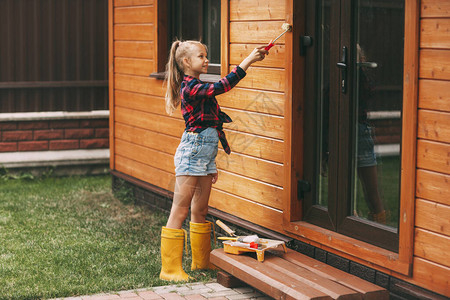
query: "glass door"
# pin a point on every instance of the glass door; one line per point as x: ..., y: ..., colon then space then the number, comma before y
x: 353, y: 117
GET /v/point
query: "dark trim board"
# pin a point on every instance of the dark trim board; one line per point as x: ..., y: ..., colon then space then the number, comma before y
x: 161, y: 199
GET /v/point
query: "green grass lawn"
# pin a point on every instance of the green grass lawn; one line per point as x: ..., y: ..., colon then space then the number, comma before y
x: 70, y: 236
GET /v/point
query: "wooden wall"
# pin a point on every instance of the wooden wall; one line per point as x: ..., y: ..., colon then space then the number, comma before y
x: 145, y: 138
x: 432, y: 212
x: 251, y: 179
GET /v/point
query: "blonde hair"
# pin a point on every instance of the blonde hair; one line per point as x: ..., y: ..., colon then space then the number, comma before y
x: 175, y: 71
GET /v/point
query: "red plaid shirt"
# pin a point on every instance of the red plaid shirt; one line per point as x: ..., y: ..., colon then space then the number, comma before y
x: 199, y: 105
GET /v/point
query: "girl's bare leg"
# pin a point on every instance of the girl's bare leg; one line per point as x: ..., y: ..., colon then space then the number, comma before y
x: 199, y: 206
x: 369, y: 180
x: 185, y: 187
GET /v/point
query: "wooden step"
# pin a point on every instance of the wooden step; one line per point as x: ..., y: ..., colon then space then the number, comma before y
x: 296, y: 276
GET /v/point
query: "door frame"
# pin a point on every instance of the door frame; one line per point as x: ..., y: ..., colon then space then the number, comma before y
x: 339, y: 127
x: 323, y: 217
x: 345, y: 246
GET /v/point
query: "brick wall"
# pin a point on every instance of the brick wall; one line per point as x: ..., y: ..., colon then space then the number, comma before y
x: 43, y: 135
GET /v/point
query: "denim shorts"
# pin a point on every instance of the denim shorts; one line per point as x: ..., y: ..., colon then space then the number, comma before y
x: 366, y: 150
x: 196, y: 154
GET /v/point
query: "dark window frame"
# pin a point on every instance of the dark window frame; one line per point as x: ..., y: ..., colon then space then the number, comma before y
x: 170, y: 12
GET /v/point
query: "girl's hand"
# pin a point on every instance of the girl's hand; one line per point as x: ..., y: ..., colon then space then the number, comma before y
x: 214, y: 176
x: 258, y: 54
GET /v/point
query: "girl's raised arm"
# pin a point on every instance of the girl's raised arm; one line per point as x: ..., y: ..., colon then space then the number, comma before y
x: 258, y: 54
x: 198, y: 90
x: 195, y: 90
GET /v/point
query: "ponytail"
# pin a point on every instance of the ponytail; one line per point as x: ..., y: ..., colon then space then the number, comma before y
x: 175, y: 72
x: 174, y: 76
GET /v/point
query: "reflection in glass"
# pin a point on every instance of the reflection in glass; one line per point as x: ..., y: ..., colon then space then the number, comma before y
x: 377, y: 110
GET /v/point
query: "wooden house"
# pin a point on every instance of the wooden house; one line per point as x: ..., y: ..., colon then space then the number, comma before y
x: 346, y: 118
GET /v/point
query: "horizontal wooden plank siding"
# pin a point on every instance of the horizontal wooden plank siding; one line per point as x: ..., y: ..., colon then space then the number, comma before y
x: 148, y: 156
x: 133, y: 49
x: 434, y: 125
x: 433, y: 156
x: 257, y: 78
x: 135, y: 32
x: 257, y: 169
x: 150, y: 121
x: 145, y: 172
x: 433, y: 94
x: 147, y: 138
x: 133, y: 66
x: 432, y: 205
x: 248, y: 188
x: 261, y: 32
x: 275, y: 59
x: 139, y: 84
x: 434, y: 64
x: 255, y: 123
x: 433, y: 216
x: 435, y: 8
x: 253, y: 174
x: 130, y: 15
x: 263, y: 10
x: 433, y: 186
x: 426, y: 248
x: 434, y: 33
x: 432, y: 276
x: 253, y: 100
x: 248, y: 210
x: 142, y: 102
x: 133, y: 2
x: 254, y: 145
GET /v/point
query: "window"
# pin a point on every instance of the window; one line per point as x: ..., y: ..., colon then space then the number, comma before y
x: 353, y: 112
x: 197, y: 20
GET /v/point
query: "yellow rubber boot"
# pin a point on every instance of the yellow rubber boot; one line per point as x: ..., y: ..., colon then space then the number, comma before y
x: 200, y: 235
x: 172, y: 241
x: 378, y: 217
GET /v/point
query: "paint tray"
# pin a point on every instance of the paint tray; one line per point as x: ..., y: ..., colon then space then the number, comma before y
x: 264, y: 245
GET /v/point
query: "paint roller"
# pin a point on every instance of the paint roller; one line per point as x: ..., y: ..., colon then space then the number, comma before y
x: 244, y: 239
x: 286, y: 27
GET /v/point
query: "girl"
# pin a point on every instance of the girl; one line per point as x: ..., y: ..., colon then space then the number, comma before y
x: 195, y: 167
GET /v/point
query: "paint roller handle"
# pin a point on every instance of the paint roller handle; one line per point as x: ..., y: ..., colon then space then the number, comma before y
x: 286, y: 27
x: 227, y: 238
x: 225, y: 227
x: 267, y: 48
